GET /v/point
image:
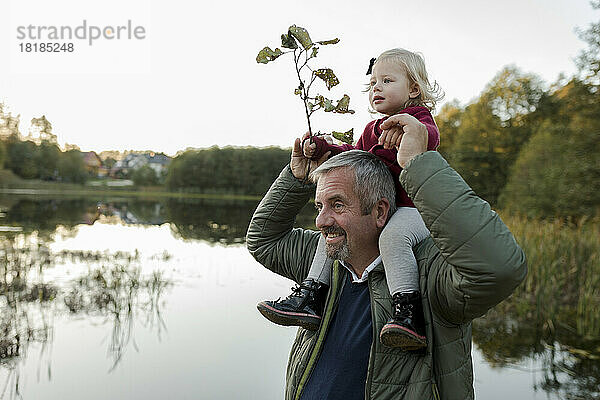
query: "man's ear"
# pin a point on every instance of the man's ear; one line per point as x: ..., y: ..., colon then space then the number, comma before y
x: 382, y: 208
x: 415, y: 91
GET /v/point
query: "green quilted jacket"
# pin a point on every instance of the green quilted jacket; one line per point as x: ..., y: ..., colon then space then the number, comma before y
x: 470, y: 263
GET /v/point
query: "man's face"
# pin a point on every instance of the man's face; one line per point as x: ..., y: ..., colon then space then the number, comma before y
x: 349, y: 235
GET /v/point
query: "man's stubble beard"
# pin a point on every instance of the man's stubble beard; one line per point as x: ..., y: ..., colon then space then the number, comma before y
x: 339, y: 252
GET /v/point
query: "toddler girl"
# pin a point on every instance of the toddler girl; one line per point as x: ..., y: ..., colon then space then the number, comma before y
x: 398, y: 85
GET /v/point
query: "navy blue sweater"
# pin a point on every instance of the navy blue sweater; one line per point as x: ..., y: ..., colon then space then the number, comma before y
x: 341, y: 370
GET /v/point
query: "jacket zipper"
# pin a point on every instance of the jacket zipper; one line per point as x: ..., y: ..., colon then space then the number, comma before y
x: 375, y: 337
x: 436, y: 393
x: 316, y: 350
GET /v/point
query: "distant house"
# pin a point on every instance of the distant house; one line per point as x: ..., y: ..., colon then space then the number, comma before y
x: 123, y: 167
x: 157, y: 161
x: 103, y: 172
x: 93, y: 163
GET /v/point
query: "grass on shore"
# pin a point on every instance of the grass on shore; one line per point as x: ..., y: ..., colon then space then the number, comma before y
x: 563, y: 280
x: 12, y: 184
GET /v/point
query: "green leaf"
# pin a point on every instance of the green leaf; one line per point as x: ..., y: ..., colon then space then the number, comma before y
x: 328, y: 76
x: 288, y: 42
x: 301, y: 35
x: 298, y: 90
x: 332, y: 41
x: 346, y: 137
x: 266, y: 55
x: 325, y: 103
x: 342, y: 106
x: 314, y: 52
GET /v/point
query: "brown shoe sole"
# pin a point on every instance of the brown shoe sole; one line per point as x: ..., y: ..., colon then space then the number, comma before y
x: 285, y: 318
x: 393, y: 335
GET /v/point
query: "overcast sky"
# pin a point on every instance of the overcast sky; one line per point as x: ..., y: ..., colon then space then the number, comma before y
x: 192, y: 80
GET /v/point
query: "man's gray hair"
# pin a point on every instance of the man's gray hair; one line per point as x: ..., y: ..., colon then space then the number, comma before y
x: 372, y: 179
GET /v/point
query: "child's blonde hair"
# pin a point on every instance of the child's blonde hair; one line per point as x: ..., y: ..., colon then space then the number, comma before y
x: 414, y: 66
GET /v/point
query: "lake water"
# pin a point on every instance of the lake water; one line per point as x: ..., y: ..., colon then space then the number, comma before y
x: 117, y: 298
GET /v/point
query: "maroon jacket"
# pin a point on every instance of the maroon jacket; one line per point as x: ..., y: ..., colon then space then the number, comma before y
x: 368, y: 142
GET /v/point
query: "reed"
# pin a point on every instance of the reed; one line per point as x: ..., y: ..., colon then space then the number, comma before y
x: 563, y: 280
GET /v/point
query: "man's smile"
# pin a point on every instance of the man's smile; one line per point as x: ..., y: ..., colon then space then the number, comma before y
x: 334, y: 238
x: 333, y: 234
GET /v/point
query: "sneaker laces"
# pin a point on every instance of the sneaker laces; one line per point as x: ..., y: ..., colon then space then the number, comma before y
x: 405, y: 310
x: 297, y: 290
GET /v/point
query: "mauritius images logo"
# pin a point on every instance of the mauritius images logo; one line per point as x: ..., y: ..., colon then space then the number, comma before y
x: 84, y: 32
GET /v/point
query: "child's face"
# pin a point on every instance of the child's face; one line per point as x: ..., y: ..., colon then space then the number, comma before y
x: 390, y: 88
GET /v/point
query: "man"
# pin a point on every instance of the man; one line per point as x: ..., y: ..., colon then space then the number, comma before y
x: 470, y: 263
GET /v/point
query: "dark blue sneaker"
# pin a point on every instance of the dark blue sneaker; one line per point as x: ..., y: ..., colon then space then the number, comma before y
x: 406, y: 329
x: 303, y: 307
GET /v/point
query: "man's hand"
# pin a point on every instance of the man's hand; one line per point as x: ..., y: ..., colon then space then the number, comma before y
x: 407, y: 134
x: 300, y: 163
x: 392, y: 137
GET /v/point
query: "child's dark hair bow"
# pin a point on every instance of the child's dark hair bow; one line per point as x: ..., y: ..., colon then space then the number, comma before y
x: 370, y: 70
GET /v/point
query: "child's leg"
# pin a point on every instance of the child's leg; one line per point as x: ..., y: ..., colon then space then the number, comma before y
x: 320, y: 269
x: 406, y: 328
x: 304, y: 306
x: 403, y: 231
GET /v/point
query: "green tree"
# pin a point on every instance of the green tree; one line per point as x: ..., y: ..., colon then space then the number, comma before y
x: 247, y: 170
x: 47, y: 158
x: 513, y: 95
x: 71, y: 167
x: 448, y: 121
x: 21, y: 157
x: 2, y: 153
x: 558, y: 172
x: 475, y: 154
x: 144, y: 176
x: 490, y: 132
x: 109, y: 162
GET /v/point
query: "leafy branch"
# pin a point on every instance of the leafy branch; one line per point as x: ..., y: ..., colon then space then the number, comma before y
x: 297, y: 41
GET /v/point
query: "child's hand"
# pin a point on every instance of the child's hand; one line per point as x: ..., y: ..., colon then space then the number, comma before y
x: 299, y: 164
x: 308, y: 148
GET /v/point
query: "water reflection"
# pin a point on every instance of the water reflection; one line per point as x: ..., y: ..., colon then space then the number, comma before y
x: 569, y: 363
x: 22, y: 298
x: 213, y: 220
x: 121, y: 295
x: 113, y: 288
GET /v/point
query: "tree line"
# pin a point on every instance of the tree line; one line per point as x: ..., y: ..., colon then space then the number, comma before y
x: 526, y: 148
x: 40, y: 158
x: 233, y: 170
x: 44, y: 161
